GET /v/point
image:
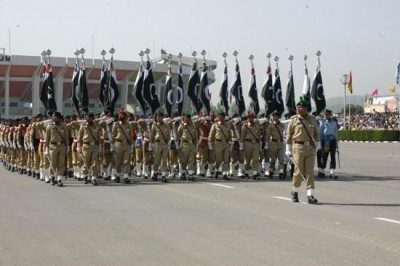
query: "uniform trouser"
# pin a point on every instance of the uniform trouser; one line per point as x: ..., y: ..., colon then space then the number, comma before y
x: 36, y: 160
x: 139, y: 155
x: 276, y: 153
x: 44, y: 161
x: 221, y: 155
x: 204, y: 155
x: 57, y: 159
x: 160, y: 157
x: 90, y: 154
x: 122, y: 157
x: 76, y: 158
x: 322, y: 156
x: 236, y: 155
x: 251, y: 156
x: 23, y: 158
x: 187, y: 156
x: 304, y: 159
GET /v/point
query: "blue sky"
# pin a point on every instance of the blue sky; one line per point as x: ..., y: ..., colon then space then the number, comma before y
x: 361, y: 36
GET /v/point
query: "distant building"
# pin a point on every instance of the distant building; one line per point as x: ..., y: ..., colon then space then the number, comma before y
x: 381, y: 104
x: 21, y: 82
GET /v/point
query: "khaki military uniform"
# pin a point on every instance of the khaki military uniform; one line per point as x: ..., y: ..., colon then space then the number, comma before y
x: 250, y: 139
x: 220, y: 137
x: 173, y: 153
x: 89, y: 137
x: 187, y: 137
x: 57, y: 137
x: 274, y: 138
x: 148, y: 156
x: 303, y: 148
x: 205, y: 156
x: 159, y: 136
x: 121, y: 138
x: 237, y: 156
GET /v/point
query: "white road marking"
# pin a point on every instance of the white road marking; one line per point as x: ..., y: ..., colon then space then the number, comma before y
x: 387, y: 220
x: 220, y: 185
x: 287, y: 199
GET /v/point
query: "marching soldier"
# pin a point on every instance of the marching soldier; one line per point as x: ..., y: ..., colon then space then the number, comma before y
x: 274, y: 138
x: 237, y: 155
x: 328, y: 133
x: 57, y: 145
x: 205, y: 156
x: 88, y: 146
x: 187, y: 137
x: 147, y: 149
x: 121, y: 142
x: 159, y: 136
x: 303, y: 136
x: 250, y: 144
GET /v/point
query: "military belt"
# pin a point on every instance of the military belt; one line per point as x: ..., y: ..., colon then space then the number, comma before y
x: 303, y: 142
x: 91, y: 143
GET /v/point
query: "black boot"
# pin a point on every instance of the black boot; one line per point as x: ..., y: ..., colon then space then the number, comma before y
x: 312, y: 200
x: 29, y: 173
x: 154, y: 177
x: 117, y: 180
x: 295, y: 197
x: 86, y: 180
x: 60, y: 183
x: 127, y: 181
x: 94, y: 182
x: 281, y: 176
x: 53, y: 180
x: 216, y: 175
x: 271, y: 175
x: 164, y: 179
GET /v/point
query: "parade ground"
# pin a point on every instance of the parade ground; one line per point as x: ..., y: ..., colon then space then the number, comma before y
x: 209, y: 222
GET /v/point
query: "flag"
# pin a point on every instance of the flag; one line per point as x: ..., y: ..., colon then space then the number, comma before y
x: 138, y: 90
x: 103, y: 85
x: 205, y: 95
x: 374, y: 92
x: 393, y: 90
x: 268, y: 93
x: 306, y: 89
x: 290, y: 102
x: 47, y: 95
x: 193, y: 88
x: 350, y: 84
x: 317, y: 92
x: 169, y: 93
x: 237, y: 91
x: 109, y: 89
x: 223, y: 93
x: 279, y: 106
x: 398, y: 74
x: 253, y: 93
x: 149, y: 89
x: 83, y: 90
x: 75, y: 87
x: 180, y: 93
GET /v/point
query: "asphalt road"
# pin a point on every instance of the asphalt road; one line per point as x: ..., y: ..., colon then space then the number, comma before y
x: 237, y: 222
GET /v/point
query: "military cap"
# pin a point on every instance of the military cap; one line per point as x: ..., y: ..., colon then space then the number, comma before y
x: 159, y: 111
x: 302, y: 102
x: 328, y: 112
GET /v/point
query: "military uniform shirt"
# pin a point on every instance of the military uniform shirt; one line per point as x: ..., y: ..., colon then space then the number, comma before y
x: 297, y: 132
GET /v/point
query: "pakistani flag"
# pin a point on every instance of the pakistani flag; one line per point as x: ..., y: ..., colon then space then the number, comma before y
x: 75, y: 87
x: 253, y: 93
x: 109, y: 90
x: 279, y: 106
x: 138, y: 90
x: 180, y: 92
x: 290, y: 102
x: 306, y: 89
x: 268, y: 93
x: 223, y: 93
x: 169, y: 99
x: 237, y: 91
x: 193, y: 88
x: 204, y: 89
x: 83, y: 93
x: 149, y: 89
x: 317, y: 92
x: 47, y: 95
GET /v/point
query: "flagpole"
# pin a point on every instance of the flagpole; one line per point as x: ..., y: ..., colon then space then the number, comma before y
x: 344, y: 79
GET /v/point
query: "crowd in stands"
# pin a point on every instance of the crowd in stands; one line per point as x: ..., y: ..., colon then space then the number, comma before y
x: 384, y: 121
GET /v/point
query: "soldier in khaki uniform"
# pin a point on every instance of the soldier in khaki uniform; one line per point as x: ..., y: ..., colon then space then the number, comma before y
x: 204, y: 155
x: 250, y: 144
x: 159, y: 136
x: 147, y: 150
x: 236, y: 154
x: 303, y: 136
x: 274, y: 138
x: 121, y: 141
x: 187, y: 137
x: 57, y: 137
x: 88, y: 144
x: 219, y: 139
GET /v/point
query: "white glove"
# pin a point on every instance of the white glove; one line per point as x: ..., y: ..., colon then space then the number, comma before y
x: 210, y: 146
x: 46, y: 151
x: 266, y: 147
x: 149, y: 120
x: 177, y: 119
x: 241, y: 146
x: 288, y: 150
x: 150, y: 147
x: 317, y: 145
x: 110, y: 120
x: 78, y: 149
x: 237, y: 120
x: 167, y: 120
x: 262, y: 120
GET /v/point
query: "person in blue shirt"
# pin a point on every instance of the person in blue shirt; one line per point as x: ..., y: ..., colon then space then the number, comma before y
x: 328, y: 128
